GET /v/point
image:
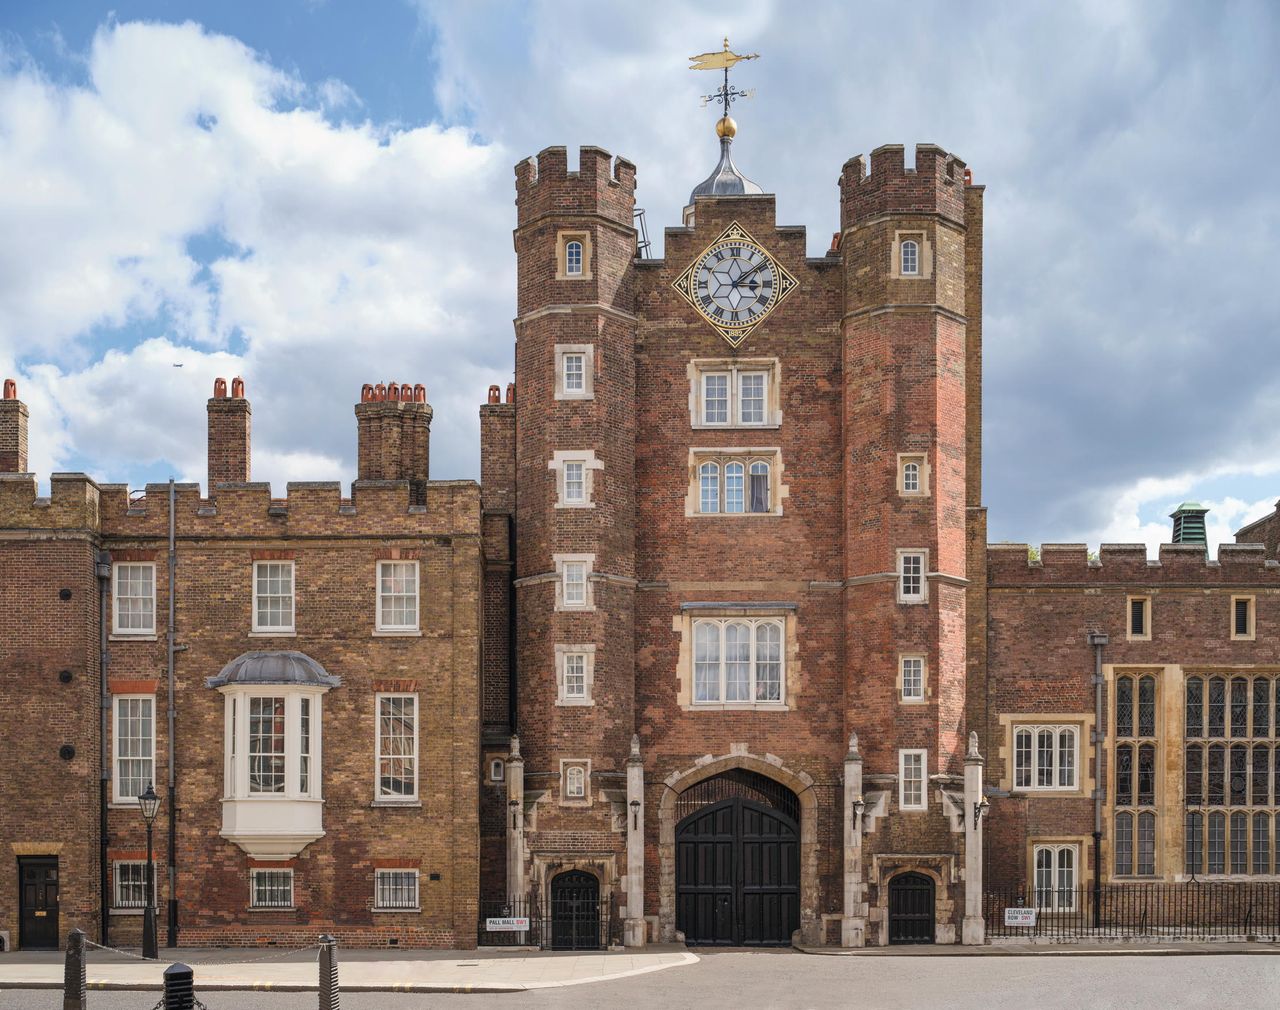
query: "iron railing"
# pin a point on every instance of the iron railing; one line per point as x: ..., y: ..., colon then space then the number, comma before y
x: 547, y: 930
x: 1191, y: 911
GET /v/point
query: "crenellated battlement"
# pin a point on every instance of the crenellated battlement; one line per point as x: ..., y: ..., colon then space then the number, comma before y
x: 1128, y: 566
x: 602, y: 185
x: 935, y: 185
x: 376, y: 508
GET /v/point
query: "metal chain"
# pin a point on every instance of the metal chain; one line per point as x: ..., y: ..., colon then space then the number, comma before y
x: 211, y: 964
x: 115, y: 950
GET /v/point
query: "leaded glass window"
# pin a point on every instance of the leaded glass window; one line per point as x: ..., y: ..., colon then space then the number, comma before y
x: 1217, y: 842
x: 1262, y: 707
x: 1146, y: 844
x: 1239, y: 842
x: 1022, y: 759
x: 1124, y: 775
x: 1239, y: 780
x: 1194, y: 847
x: 1124, y: 844
x: 1146, y: 775
x: 1217, y: 706
x: 1216, y: 792
x: 1195, y: 774
x: 1261, y: 778
x: 1195, y: 707
x: 1239, y: 707
x: 1261, y: 843
x: 1124, y: 706
x: 1147, y: 706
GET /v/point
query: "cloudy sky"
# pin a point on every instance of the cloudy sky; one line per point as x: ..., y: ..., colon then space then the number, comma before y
x: 318, y: 193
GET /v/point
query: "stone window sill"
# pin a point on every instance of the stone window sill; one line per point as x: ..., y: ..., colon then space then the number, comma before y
x: 405, y: 633
x: 128, y: 911
x: 704, y: 426
x: 575, y: 504
x: 408, y: 804
x: 132, y: 638
x: 416, y: 910
x: 272, y: 908
x: 738, y: 706
x: 574, y: 702
x: 282, y: 633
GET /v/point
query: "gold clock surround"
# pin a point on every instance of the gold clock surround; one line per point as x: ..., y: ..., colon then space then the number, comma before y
x: 734, y: 333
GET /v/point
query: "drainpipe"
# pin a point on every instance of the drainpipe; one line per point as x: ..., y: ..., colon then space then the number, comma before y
x: 103, y: 571
x: 172, y: 940
x: 512, y: 695
x: 1099, y: 641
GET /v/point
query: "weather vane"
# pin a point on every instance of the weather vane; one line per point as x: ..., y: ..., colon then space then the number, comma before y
x: 722, y: 60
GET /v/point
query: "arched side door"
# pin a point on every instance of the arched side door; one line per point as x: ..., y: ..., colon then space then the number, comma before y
x: 911, y: 918
x: 737, y: 875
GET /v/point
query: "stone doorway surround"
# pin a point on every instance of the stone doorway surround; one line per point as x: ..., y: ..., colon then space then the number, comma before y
x: 938, y: 867
x: 547, y: 865
x: 770, y: 766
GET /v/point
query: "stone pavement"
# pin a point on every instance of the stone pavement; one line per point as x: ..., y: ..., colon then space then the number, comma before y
x: 1044, y: 948
x: 358, y: 970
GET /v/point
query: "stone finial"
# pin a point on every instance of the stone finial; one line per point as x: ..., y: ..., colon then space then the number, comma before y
x: 973, y: 745
x: 515, y: 747
x: 853, y: 754
x: 635, y: 745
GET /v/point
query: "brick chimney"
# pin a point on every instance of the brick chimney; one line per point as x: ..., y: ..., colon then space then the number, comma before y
x: 393, y: 427
x: 13, y: 430
x: 228, y: 434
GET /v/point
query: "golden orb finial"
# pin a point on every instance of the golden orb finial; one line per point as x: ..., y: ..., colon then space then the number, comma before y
x: 726, y: 127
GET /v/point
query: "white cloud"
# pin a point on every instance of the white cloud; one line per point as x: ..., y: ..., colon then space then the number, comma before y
x: 344, y: 254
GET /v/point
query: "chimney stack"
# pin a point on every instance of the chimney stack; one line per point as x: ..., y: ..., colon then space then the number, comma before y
x: 13, y: 430
x: 393, y: 427
x: 229, y: 418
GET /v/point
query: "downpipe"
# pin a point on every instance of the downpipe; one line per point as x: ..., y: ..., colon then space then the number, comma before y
x: 172, y: 938
x: 102, y: 569
x: 1099, y: 641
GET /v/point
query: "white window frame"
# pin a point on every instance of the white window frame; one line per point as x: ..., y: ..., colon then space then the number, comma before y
x: 116, y: 629
x: 236, y: 742
x: 258, y: 871
x: 116, y: 903
x: 564, y: 654
x: 563, y: 240
x: 575, y: 378
x: 559, y: 463
x: 733, y: 372
x: 903, y: 756
x: 922, y: 695
x: 497, y: 770
x: 385, y: 871
x: 1055, y: 892
x: 116, y: 757
x: 271, y: 629
x: 914, y: 246
x: 921, y: 461
x: 587, y: 353
x: 575, y: 481
x: 1034, y: 768
x: 379, y: 625
x: 392, y: 798
x: 721, y: 625
x: 903, y: 595
x: 567, y: 765
x: 572, y: 268
x: 745, y: 460
x: 567, y: 564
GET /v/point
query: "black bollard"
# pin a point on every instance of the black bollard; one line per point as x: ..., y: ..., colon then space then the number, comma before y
x: 74, y: 996
x: 329, y: 995
x: 179, y: 987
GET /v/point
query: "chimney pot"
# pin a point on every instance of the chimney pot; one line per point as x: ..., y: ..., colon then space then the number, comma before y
x: 366, y: 392
x: 220, y: 388
x: 10, y: 389
x: 511, y: 392
x: 419, y: 393
x: 379, y: 392
x: 237, y: 388
x: 495, y: 394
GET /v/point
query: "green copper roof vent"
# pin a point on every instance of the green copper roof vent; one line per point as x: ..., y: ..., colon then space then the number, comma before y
x: 1188, y: 524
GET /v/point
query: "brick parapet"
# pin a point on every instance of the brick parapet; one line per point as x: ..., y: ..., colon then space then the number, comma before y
x: 935, y: 185
x: 1128, y: 566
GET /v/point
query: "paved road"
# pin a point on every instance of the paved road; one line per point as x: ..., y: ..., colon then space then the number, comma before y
x: 787, y: 979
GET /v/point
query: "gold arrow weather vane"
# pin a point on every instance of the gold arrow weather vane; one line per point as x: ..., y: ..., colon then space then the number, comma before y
x: 722, y: 60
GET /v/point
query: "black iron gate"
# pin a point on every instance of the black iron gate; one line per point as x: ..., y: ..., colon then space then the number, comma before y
x: 911, y: 909
x: 737, y: 875
x: 575, y: 911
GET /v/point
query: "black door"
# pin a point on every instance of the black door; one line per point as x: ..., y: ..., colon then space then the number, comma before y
x: 911, y: 909
x: 575, y: 911
x: 737, y: 876
x: 38, y: 901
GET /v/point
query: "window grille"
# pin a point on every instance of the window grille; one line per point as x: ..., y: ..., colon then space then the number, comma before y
x: 738, y: 782
x: 397, y: 889
x: 271, y: 888
x: 130, y: 884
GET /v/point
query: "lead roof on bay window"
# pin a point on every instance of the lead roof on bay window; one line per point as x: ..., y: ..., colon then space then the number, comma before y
x: 274, y: 667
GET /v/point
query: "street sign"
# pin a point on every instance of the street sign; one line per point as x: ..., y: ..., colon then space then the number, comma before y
x: 1019, y: 916
x: 510, y: 924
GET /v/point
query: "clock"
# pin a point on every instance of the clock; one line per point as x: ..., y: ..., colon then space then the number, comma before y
x: 734, y: 284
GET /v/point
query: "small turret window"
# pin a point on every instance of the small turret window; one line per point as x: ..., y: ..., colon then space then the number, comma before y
x: 910, y: 258
x: 573, y: 258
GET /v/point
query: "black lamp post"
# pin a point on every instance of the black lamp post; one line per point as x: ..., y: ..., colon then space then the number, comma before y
x: 149, y: 804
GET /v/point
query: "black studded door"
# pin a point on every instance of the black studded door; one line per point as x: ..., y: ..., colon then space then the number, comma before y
x: 911, y: 909
x: 737, y: 876
x: 575, y: 912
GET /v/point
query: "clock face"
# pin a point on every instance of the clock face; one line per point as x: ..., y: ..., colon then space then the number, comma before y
x: 734, y: 284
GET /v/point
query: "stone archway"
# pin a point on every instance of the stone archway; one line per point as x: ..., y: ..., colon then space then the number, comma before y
x: 770, y: 767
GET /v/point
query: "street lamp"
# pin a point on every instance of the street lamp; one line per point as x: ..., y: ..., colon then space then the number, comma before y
x: 149, y: 804
x: 635, y: 813
x: 979, y: 810
x: 858, y: 804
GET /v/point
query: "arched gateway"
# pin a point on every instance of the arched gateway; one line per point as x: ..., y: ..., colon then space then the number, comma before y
x: 738, y: 861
